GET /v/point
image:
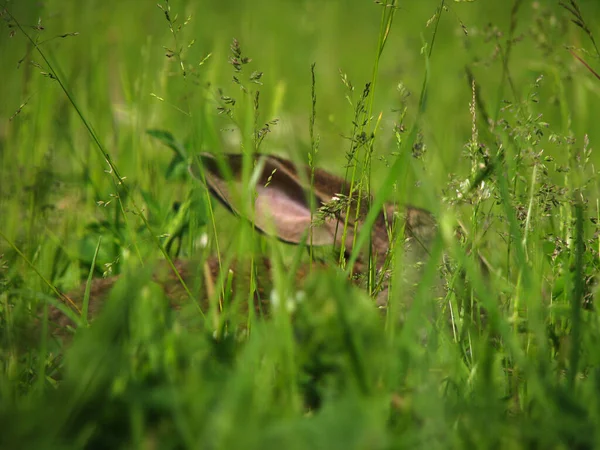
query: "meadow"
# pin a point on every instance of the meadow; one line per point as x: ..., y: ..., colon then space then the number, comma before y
x: 483, y: 113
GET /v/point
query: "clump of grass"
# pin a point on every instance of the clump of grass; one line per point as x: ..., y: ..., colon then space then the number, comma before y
x: 504, y: 356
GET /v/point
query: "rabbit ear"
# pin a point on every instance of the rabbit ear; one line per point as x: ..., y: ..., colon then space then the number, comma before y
x: 325, y: 186
x: 281, y: 203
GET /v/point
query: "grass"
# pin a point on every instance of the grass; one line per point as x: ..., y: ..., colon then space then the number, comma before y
x: 483, y: 113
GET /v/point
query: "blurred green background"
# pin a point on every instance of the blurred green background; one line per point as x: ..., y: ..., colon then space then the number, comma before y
x: 121, y: 61
x: 117, y: 63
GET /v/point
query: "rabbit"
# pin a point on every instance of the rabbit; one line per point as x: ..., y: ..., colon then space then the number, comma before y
x: 282, y: 208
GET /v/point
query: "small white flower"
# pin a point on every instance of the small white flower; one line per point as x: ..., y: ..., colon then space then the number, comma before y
x: 203, y: 240
x: 274, y: 298
x: 215, y: 334
x: 484, y: 191
x: 300, y: 296
x: 290, y: 303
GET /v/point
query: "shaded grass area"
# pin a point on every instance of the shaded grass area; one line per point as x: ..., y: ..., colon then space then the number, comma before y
x: 476, y: 111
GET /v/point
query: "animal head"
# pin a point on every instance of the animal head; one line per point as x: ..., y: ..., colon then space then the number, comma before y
x: 299, y: 205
